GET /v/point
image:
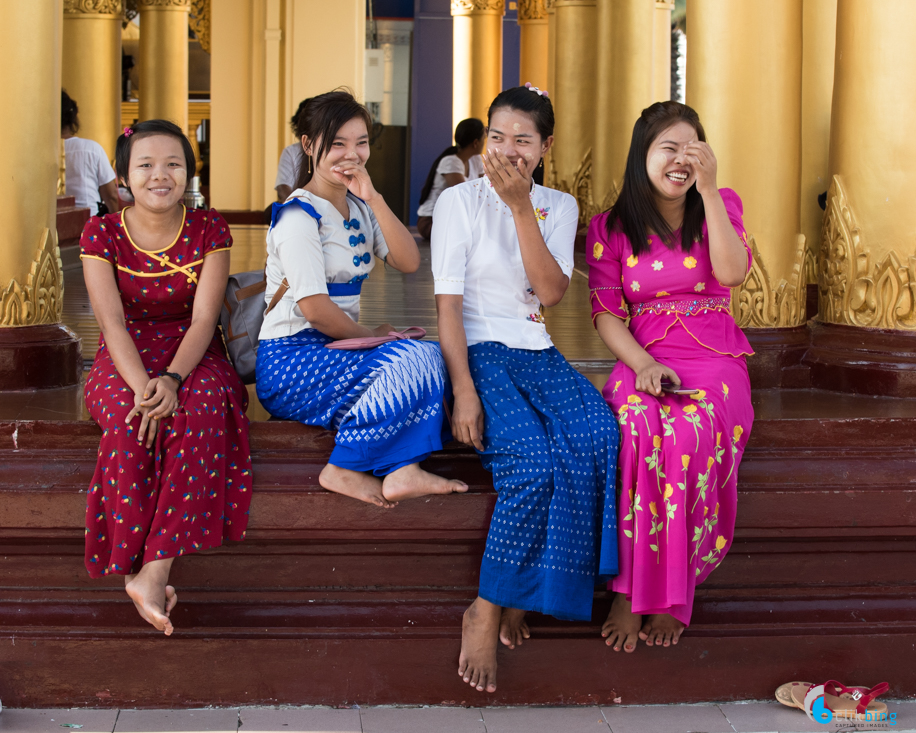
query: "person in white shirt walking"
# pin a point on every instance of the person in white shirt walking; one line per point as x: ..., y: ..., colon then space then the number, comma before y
x: 456, y: 164
x: 502, y: 247
x: 90, y: 178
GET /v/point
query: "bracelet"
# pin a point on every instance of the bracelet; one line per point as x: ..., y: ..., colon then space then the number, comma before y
x: 173, y: 375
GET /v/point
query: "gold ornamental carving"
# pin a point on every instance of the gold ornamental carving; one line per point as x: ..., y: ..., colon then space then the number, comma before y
x: 466, y: 7
x: 756, y: 303
x: 40, y: 300
x: 199, y: 20
x: 852, y: 291
x: 93, y: 7
x: 164, y: 3
x: 532, y: 9
x: 580, y: 187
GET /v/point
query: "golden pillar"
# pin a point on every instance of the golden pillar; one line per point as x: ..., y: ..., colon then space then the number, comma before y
x: 818, y: 52
x: 163, y: 61
x: 574, y: 98
x: 661, y: 51
x: 551, y: 45
x: 477, y: 70
x: 744, y: 80
x: 625, y: 87
x: 91, y: 67
x: 35, y: 350
x: 532, y: 20
x: 867, y: 263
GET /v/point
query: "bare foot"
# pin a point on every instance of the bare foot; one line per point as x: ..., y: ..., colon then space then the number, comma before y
x: 148, y: 590
x: 479, y: 638
x: 622, y: 625
x: 512, y: 627
x: 661, y: 629
x: 355, y: 484
x: 410, y: 482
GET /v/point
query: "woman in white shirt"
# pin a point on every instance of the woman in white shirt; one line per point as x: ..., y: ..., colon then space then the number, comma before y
x: 455, y: 164
x: 90, y: 179
x: 386, y: 403
x: 502, y: 247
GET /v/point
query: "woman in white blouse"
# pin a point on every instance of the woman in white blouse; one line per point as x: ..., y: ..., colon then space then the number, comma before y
x: 456, y: 164
x: 501, y: 248
x: 386, y: 403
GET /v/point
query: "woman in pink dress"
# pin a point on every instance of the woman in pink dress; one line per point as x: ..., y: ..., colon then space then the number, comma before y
x: 665, y: 256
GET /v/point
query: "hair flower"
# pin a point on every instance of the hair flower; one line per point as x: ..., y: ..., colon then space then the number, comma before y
x: 128, y: 132
x: 540, y: 93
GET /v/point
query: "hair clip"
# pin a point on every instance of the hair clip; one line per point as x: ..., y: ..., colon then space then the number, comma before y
x: 535, y: 89
x: 128, y: 132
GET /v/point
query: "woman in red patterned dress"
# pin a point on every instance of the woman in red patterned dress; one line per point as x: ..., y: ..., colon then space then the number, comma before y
x: 174, y: 469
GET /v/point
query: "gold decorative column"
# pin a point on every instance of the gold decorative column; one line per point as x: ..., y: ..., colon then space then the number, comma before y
x: 818, y: 52
x: 163, y: 64
x: 551, y: 44
x: 661, y: 51
x: 91, y: 67
x: 744, y: 80
x: 867, y: 264
x: 626, y: 29
x: 477, y: 70
x: 35, y: 350
x: 532, y: 20
x: 574, y: 98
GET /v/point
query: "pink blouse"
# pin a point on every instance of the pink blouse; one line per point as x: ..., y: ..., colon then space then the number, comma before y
x: 671, y: 297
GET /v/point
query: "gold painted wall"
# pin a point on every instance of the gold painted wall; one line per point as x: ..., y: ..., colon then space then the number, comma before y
x: 163, y: 60
x: 818, y: 52
x: 91, y: 67
x: 744, y: 66
x: 31, y: 283
x: 867, y: 264
x: 269, y: 55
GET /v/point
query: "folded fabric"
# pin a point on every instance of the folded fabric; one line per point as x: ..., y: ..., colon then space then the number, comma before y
x: 370, y: 342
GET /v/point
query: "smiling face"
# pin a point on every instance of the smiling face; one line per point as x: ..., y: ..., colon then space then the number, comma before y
x: 669, y: 170
x: 157, y: 173
x: 350, y: 144
x: 514, y: 134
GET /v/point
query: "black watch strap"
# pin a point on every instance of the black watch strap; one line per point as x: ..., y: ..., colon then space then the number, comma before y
x: 173, y: 375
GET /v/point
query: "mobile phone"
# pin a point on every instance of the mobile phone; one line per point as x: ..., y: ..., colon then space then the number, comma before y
x: 671, y: 388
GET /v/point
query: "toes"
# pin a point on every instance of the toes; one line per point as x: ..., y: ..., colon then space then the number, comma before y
x: 644, y: 635
x: 629, y: 646
x: 462, y: 667
x: 525, y: 632
x: 171, y: 599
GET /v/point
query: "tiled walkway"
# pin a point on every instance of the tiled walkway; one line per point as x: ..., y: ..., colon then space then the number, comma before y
x: 763, y: 717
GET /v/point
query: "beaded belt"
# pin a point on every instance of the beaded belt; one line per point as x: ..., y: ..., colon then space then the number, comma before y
x: 688, y: 307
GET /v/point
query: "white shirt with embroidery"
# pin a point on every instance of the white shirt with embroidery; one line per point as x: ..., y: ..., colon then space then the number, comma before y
x: 475, y: 253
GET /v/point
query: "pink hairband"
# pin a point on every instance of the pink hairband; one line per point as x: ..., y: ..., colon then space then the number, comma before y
x: 535, y: 89
x: 128, y: 132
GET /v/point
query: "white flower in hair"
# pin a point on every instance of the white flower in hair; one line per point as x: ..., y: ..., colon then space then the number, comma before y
x: 541, y: 93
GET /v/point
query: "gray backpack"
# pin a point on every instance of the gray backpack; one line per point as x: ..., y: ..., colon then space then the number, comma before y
x: 241, y: 318
x: 243, y: 307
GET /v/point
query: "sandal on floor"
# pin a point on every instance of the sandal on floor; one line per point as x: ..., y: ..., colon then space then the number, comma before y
x: 851, y: 703
x: 784, y: 694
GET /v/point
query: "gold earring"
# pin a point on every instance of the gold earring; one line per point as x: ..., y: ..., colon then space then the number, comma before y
x: 310, y: 165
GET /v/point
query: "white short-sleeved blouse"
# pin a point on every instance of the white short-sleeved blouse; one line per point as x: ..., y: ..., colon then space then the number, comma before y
x: 449, y: 164
x: 475, y: 253
x: 315, y: 253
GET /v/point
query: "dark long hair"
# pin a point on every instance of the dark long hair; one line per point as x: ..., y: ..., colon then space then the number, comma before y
x: 467, y: 133
x: 149, y: 128
x: 320, y: 118
x: 69, y: 113
x: 635, y: 212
